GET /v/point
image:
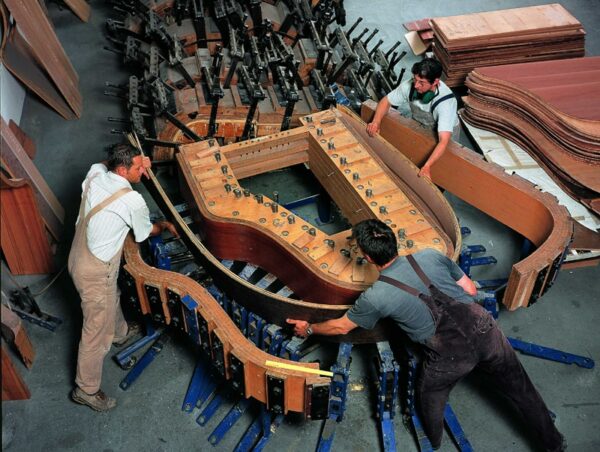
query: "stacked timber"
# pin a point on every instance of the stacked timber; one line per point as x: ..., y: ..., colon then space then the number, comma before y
x: 535, y: 33
x: 550, y: 109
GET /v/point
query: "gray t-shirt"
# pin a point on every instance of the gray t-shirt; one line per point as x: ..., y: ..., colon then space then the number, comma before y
x: 409, y: 312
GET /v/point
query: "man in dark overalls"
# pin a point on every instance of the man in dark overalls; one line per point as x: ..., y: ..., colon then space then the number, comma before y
x: 431, y: 299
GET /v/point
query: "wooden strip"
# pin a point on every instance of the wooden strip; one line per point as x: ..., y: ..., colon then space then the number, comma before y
x: 80, y: 8
x: 19, y: 61
x: 13, y: 386
x: 15, y: 159
x: 47, y: 49
x: 22, y: 236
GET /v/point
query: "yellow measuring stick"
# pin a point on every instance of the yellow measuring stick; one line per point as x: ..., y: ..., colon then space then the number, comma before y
x: 308, y: 370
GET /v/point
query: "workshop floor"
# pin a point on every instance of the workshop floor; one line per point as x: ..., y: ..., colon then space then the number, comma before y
x: 149, y: 415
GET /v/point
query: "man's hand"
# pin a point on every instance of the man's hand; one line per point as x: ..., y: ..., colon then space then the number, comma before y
x: 425, y: 172
x: 160, y: 226
x: 171, y: 228
x: 300, y: 326
x: 373, y: 128
x: 146, y: 165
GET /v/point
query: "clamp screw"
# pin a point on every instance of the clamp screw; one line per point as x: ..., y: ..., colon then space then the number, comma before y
x: 227, y: 188
x: 217, y: 156
x: 369, y: 192
x: 355, y: 176
x: 291, y: 219
x: 330, y: 144
x: 224, y: 169
x: 237, y: 192
x: 259, y: 198
x: 274, y: 207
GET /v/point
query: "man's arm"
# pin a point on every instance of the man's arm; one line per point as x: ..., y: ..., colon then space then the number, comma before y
x: 382, y: 108
x: 467, y: 285
x: 333, y: 327
x: 160, y: 226
x: 438, y: 151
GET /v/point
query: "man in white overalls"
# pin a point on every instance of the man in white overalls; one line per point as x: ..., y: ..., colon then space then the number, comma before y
x: 109, y: 210
x: 431, y: 103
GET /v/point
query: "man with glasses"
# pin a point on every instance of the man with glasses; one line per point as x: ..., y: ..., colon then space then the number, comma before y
x: 431, y: 103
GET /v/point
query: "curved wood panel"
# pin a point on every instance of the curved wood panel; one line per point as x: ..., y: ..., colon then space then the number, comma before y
x: 318, y: 267
x: 226, y: 344
x: 508, y: 198
x: 272, y: 307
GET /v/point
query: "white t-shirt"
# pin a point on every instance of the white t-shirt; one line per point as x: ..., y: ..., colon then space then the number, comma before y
x: 444, y: 114
x: 108, y: 228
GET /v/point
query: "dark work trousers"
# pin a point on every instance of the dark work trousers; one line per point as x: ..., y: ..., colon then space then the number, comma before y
x: 467, y: 337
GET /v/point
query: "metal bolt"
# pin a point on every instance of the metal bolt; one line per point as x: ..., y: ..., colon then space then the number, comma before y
x: 217, y: 156
x: 343, y: 161
x: 246, y: 192
x: 330, y: 145
x: 224, y: 169
x: 237, y: 192
x: 312, y: 231
x: 211, y: 142
x: 274, y: 207
x: 369, y: 192
x: 291, y: 219
x: 401, y: 234
x: 309, y: 119
x: 319, y: 131
x: 330, y: 243
x: 344, y: 252
x: 382, y: 209
x: 259, y: 198
x: 409, y: 243
x: 360, y: 260
x: 355, y: 176
x: 276, y: 196
x: 227, y: 188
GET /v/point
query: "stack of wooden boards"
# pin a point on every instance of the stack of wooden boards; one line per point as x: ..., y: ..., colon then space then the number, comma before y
x: 535, y: 33
x: 419, y: 36
x: 550, y: 109
x: 32, y: 52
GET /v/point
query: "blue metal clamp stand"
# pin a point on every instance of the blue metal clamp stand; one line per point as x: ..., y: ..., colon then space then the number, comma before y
x: 125, y: 357
x: 387, y: 391
x: 264, y: 426
x: 144, y: 362
x: 450, y: 419
x: 337, y: 398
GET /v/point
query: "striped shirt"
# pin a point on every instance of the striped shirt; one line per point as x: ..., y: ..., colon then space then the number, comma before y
x: 108, y: 228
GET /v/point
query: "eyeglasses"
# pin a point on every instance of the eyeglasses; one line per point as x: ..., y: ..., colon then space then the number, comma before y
x: 422, y: 82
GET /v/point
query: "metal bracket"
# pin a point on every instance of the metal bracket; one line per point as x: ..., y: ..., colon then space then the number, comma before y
x: 550, y: 353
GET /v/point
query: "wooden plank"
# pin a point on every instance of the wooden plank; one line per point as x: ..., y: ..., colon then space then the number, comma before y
x: 23, y: 237
x: 23, y: 138
x: 16, y: 160
x: 18, y: 336
x: 13, y: 386
x: 80, y: 8
x: 47, y: 49
x: 20, y: 62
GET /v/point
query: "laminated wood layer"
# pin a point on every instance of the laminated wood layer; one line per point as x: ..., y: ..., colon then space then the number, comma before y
x: 508, y: 198
x: 318, y: 267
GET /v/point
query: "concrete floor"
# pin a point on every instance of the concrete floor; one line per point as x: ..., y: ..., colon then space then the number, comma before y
x: 149, y: 415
